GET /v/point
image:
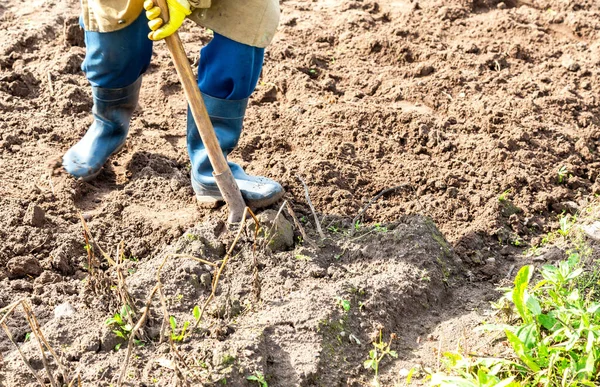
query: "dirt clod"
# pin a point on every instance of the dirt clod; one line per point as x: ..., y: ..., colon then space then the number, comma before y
x: 34, y: 216
x: 19, y: 267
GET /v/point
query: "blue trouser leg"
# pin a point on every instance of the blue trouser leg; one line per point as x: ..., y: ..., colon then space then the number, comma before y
x: 117, y: 59
x: 227, y: 74
x: 114, y: 63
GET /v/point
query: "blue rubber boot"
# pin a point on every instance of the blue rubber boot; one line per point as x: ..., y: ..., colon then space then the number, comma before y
x: 227, y: 117
x: 112, y: 112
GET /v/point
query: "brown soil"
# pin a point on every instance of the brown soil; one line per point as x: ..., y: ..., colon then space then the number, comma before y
x: 454, y: 102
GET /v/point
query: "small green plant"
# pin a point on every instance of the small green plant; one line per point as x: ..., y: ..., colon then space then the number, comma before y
x: 259, y: 378
x: 119, y: 322
x: 380, y: 228
x: 563, y: 173
x: 380, y: 350
x: 301, y: 257
x: 504, y: 195
x: 344, y: 304
x: 196, y: 313
x: 191, y: 237
x: 174, y: 335
x: 334, y: 229
x: 565, y: 225
x: 227, y: 360
x: 357, y: 225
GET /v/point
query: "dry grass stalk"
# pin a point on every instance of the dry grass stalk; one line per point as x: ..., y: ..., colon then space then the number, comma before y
x: 134, y: 331
x: 43, y: 344
x: 299, y: 226
x: 374, y: 199
x: 255, y: 278
x: 10, y: 338
x: 75, y: 379
x: 37, y: 331
x: 270, y: 234
x: 91, y: 238
x: 312, y: 208
x: 215, y: 281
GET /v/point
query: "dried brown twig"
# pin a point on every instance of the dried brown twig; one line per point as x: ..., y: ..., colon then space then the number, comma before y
x: 215, y: 281
x: 43, y: 344
x: 255, y: 277
x: 134, y: 330
x: 312, y: 208
x: 374, y: 199
x: 302, y: 231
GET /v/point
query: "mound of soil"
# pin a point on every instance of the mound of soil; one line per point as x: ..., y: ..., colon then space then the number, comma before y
x: 279, y: 313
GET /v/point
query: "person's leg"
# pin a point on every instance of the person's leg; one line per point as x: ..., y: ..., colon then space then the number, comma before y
x: 114, y: 63
x: 227, y: 75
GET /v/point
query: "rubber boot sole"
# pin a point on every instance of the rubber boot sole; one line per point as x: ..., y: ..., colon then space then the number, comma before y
x: 211, y: 201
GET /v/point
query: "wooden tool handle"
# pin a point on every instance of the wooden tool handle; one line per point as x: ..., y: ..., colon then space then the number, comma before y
x: 164, y: 10
x: 222, y: 173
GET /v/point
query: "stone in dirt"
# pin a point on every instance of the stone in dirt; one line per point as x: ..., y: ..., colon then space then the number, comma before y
x: 282, y: 234
x: 64, y: 310
x: 19, y: 267
x: 592, y: 231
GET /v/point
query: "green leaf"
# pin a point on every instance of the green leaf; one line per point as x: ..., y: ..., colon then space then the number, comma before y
x: 120, y: 334
x: 369, y: 363
x: 173, y: 323
x: 506, y: 382
x: 252, y: 377
x: 574, y: 296
x: 196, y: 312
x: 393, y: 354
x: 533, y: 304
x: 547, y: 321
x: 440, y: 379
x: 528, y: 335
x: 590, y: 361
x: 574, y: 274
x: 185, y: 327
x: 521, y: 351
x: 410, y: 375
x: 118, y: 346
x: 345, y: 304
x: 593, y: 308
x: 573, y: 338
x: 518, y: 294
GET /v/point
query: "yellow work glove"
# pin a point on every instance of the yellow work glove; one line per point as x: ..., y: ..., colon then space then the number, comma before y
x: 178, y: 10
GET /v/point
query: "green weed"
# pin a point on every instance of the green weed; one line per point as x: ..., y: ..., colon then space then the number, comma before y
x: 174, y: 335
x: 334, y: 229
x: 380, y: 350
x: 119, y: 322
x: 345, y: 304
x: 357, y: 225
x: 563, y: 173
x: 565, y: 224
x: 554, y: 339
x: 259, y: 378
x: 504, y: 195
x: 380, y: 228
